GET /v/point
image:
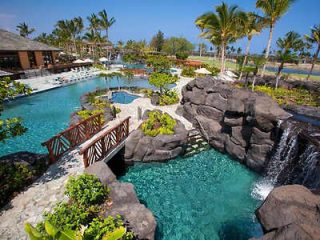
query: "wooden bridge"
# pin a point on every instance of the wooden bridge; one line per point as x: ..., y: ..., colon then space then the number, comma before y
x: 104, y: 147
x: 72, y: 137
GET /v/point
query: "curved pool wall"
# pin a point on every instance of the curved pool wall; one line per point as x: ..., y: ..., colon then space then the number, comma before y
x: 206, y: 196
x: 46, y: 114
x: 123, y: 97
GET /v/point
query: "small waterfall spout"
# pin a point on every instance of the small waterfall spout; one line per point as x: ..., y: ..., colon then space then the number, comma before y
x: 296, y: 159
x: 285, y: 153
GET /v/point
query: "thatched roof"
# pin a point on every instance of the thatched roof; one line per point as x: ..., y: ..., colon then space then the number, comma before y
x: 13, y: 42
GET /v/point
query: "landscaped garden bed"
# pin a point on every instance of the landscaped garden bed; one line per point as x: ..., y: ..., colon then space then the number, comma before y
x: 18, y: 171
x: 81, y: 217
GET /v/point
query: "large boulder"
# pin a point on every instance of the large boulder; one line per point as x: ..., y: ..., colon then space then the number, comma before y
x: 102, y: 171
x: 237, y: 121
x: 125, y: 202
x: 140, y: 147
x: 290, y: 212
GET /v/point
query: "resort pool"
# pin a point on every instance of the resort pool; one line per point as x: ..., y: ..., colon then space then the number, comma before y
x: 123, y: 97
x: 47, y: 113
x: 206, y: 196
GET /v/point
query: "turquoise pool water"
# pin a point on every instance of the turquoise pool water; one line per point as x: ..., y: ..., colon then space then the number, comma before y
x: 46, y: 114
x: 123, y: 97
x: 207, y: 196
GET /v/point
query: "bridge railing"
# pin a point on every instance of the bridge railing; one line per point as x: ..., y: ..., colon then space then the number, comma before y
x: 73, y: 136
x: 102, y: 146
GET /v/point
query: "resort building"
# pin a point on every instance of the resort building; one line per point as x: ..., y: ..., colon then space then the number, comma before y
x: 19, y: 53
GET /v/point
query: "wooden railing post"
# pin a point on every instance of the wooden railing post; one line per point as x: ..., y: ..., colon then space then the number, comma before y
x: 103, y: 147
x: 127, y: 127
x: 85, y: 159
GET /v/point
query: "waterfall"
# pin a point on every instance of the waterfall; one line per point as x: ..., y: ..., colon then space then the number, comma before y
x: 295, y: 160
x: 309, y: 161
x: 285, y: 153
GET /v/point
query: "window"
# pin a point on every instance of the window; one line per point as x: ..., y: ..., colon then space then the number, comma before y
x: 10, y: 60
x: 47, y: 57
x: 32, y: 59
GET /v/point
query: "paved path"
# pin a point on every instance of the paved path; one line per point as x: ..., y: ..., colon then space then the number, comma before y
x: 40, y: 197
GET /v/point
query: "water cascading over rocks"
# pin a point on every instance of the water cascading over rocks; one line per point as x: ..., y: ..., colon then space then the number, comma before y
x: 239, y: 122
x: 297, y: 157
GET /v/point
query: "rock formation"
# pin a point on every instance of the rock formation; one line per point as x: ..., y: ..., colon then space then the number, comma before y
x: 290, y: 212
x: 125, y: 202
x: 140, y: 147
x: 239, y: 122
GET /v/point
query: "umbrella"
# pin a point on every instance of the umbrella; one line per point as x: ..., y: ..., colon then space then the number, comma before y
x: 88, y: 60
x: 78, y: 61
x: 103, y: 59
x: 202, y: 71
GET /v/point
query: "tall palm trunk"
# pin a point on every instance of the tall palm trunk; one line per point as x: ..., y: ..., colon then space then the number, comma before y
x: 107, y: 34
x: 279, y: 74
x: 315, y: 57
x: 268, y: 49
x: 245, y: 56
x: 222, y: 57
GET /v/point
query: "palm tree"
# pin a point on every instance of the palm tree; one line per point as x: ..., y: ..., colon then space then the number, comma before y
x: 314, y: 38
x: 253, y: 26
x: 105, y: 22
x: 94, y: 23
x: 258, y: 62
x: 273, y: 11
x: 289, y: 45
x: 91, y: 36
x: 222, y: 27
x: 24, y: 29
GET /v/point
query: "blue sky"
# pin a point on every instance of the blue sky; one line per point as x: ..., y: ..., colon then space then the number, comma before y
x: 140, y: 19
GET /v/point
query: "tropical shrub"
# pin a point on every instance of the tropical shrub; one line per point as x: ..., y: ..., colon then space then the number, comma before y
x: 51, y: 232
x: 84, y: 114
x: 295, y: 96
x: 159, y: 63
x: 161, y: 80
x: 182, y: 55
x: 68, y: 216
x: 188, y: 72
x: 100, y: 227
x: 14, y: 177
x: 11, y: 127
x: 86, y: 189
x: 80, y: 218
x: 158, y: 123
x: 214, y: 70
x: 168, y: 98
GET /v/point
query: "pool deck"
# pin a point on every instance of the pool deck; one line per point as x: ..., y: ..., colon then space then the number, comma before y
x: 46, y: 83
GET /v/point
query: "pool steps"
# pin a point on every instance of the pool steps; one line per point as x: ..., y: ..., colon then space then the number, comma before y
x: 196, y: 143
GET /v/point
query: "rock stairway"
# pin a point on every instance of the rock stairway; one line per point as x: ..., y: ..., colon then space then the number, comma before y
x: 196, y: 143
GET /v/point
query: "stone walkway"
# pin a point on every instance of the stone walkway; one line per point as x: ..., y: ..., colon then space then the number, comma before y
x: 41, y: 196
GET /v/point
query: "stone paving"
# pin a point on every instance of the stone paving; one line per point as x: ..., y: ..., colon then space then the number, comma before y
x: 39, y: 197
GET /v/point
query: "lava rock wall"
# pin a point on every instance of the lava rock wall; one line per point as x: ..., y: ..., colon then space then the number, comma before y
x: 233, y: 120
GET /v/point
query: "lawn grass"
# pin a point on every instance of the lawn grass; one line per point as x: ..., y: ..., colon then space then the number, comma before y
x: 233, y: 66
